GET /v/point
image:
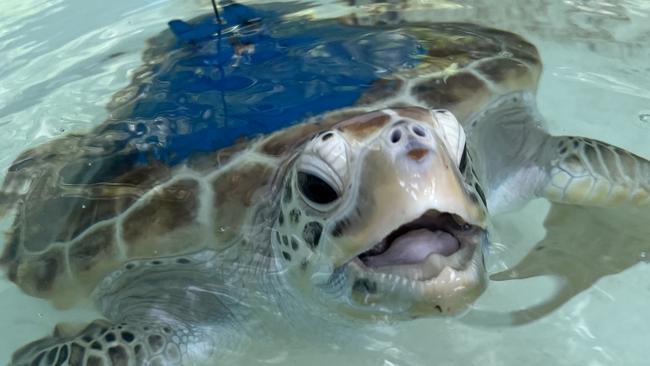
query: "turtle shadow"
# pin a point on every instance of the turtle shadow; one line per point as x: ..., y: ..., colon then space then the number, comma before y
x: 581, y: 246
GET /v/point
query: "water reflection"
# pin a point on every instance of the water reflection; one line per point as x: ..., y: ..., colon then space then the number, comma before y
x: 582, y: 245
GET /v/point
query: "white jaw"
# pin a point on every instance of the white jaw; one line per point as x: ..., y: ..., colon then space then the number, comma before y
x: 434, y: 262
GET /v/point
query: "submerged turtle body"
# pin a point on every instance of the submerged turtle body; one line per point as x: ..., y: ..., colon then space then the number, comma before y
x: 89, y: 209
x: 372, y: 209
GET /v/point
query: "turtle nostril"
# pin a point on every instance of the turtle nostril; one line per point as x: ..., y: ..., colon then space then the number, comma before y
x: 395, y: 136
x: 419, y: 131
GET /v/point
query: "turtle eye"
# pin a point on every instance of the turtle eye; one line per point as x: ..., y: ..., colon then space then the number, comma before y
x: 316, y: 189
x: 463, y: 160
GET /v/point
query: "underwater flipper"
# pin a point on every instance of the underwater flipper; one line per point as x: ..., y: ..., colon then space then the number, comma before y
x: 581, y: 246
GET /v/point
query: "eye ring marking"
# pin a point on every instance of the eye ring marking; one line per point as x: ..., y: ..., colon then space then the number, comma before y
x: 463, y: 160
x: 323, y: 170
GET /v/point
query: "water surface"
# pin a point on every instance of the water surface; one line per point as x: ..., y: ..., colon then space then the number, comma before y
x: 62, y: 62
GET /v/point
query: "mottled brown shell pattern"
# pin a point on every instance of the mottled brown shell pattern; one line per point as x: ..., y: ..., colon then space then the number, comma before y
x: 81, y: 209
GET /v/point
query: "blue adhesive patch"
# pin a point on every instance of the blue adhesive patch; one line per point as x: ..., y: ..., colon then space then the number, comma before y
x: 212, y: 84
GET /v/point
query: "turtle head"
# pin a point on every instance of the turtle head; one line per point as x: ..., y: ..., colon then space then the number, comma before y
x: 378, y: 220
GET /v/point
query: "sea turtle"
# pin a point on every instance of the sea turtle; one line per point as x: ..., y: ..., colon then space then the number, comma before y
x: 378, y: 210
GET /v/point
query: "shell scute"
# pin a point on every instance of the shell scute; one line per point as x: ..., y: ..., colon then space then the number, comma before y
x: 235, y: 191
x: 380, y: 90
x: 171, y: 209
x: 61, y: 219
x: 462, y: 68
x: 459, y: 93
x: 508, y: 72
x: 206, y: 162
x: 91, y: 249
x: 39, y: 274
x: 91, y: 256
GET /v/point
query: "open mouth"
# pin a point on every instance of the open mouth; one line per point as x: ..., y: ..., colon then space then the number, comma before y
x: 421, y: 249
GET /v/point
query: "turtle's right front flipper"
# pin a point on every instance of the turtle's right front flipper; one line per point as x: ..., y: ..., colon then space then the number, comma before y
x: 162, y: 311
x: 589, y: 172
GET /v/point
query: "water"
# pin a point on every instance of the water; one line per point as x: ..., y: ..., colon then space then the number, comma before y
x: 62, y: 61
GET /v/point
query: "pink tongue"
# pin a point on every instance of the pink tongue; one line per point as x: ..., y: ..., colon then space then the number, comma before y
x: 414, y: 247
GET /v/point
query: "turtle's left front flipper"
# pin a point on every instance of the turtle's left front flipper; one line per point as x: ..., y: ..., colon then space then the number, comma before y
x: 588, y: 172
x: 518, y: 160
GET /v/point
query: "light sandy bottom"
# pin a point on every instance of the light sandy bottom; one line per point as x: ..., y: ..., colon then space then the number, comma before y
x: 57, y: 77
